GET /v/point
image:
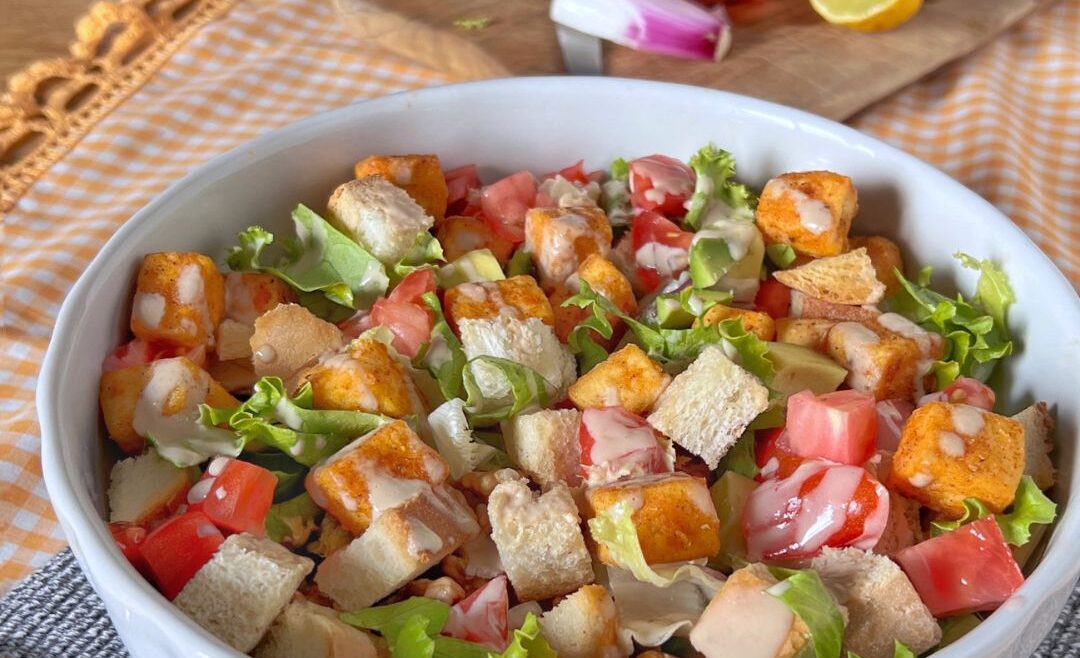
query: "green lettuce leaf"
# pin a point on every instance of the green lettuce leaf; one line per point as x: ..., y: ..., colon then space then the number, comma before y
x: 1030, y: 506
x: 740, y: 458
x: 292, y: 522
x: 973, y: 511
x: 581, y: 341
x: 527, y: 642
x: 615, y: 194
x: 992, y: 290
x: 715, y: 169
x: 528, y: 388
x: 201, y: 443
x: 289, y: 473
x: 442, y: 356
x: 454, y: 439
x: 389, y: 620
x: 803, y: 592
x: 781, y: 254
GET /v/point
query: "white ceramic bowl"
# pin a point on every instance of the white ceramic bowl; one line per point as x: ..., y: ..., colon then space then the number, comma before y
x: 544, y: 124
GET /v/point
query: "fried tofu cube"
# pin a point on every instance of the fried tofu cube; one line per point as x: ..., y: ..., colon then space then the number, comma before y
x: 760, y: 324
x: 363, y: 376
x: 287, y: 338
x: 673, y: 513
x: 811, y: 211
x: 517, y: 297
x: 606, y: 279
x: 545, y: 445
x: 183, y: 386
x: 949, y: 452
x: 885, y: 257
x: 627, y: 378
x: 888, y: 358
x: 459, y: 235
x: 179, y: 299
x: 560, y: 239
x: 381, y: 470
x: 420, y: 176
x: 584, y: 625
x: 250, y: 294
x: 802, y: 331
x: 379, y: 216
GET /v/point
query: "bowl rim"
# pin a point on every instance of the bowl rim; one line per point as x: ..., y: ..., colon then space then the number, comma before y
x: 87, y: 532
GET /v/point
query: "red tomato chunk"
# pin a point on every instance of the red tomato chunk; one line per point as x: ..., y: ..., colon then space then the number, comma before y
x: 505, y: 203
x: 661, y: 183
x: 618, y: 443
x: 482, y: 616
x: 839, y: 426
x: 234, y: 495
x: 129, y: 537
x: 179, y: 548
x: 661, y: 249
x: 773, y: 298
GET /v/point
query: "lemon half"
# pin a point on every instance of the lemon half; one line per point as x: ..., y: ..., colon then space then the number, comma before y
x: 867, y: 15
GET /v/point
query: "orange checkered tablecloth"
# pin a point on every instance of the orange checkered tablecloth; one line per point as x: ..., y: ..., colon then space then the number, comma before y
x: 1005, y: 121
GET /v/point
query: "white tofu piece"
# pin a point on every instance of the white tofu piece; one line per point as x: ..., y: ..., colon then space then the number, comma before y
x: 545, y: 445
x: 379, y: 215
x: 529, y: 342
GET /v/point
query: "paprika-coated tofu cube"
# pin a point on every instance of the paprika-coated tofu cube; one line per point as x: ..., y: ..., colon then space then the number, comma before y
x: 379, y: 216
x: 673, y: 513
x: 885, y: 257
x: 760, y: 324
x: 888, y: 358
x: 949, y: 452
x: 517, y: 297
x: 811, y: 211
x: 627, y: 378
x: 179, y: 299
x: 182, y: 386
x: 808, y: 332
x: 250, y: 294
x: 459, y: 235
x: 419, y: 175
x: 560, y: 239
x: 606, y: 279
x: 378, y: 471
x: 363, y: 376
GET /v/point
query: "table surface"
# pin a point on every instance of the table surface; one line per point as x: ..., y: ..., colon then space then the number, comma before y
x: 36, y: 29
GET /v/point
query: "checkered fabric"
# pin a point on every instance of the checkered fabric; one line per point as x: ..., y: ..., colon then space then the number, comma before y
x: 1006, y: 121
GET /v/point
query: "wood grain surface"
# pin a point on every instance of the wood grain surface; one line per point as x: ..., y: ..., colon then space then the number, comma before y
x: 36, y: 29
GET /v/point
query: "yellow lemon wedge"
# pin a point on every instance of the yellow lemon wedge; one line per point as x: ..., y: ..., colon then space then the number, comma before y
x: 867, y: 15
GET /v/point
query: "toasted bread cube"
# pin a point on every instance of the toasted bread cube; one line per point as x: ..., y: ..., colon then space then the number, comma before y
x: 517, y: 297
x: 888, y: 358
x: 147, y: 488
x: 243, y: 588
x: 179, y: 299
x: 287, y: 338
x: 673, y: 513
x: 545, y: 445
x: 708, y: 406
x: 805, y: 306
x: 121, y: 390
x: 250, y: 294
x: 606, y: 279
x: 882, y: 604
x: 530, y: 343
x: 884, y: 255
x: 378, y: 471
x: 760, y: 324
x: 308, y: 630
x: 539, y: 540
x: 801, y: 331
x: 811, y: 211
x: 627, y: 378
x: 420, y: 176
x: 1038, y: 443
x: 949, y: 452
x: 560, y: 239
x: 235, y: 376
x: 363, y: 376
x: 402, y: 543
x: 459, y: 235
x: 584, y: 625
x: 381, y: 217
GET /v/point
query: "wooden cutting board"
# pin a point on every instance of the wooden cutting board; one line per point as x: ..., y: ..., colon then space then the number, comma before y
x: 793, y: 57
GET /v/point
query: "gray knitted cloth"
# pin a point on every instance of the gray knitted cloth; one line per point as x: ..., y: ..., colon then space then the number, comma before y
x: 56, y: 614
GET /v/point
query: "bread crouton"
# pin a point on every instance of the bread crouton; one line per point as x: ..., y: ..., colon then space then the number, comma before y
x: 379, y: 216
x: 1038, y: 443
x: 235, y: 376
x: 883, y: 606
x: 884, y: 255
x: 459, y: 235
x: 802, y: 331
x: 539, y: 539
x: 381, y: 470
x: 544, y: 444
x: 584, y: 625
x: 187, y: 387
x: 364, y: 376
x: 147, y: 488
x: 845, y: 279
x: 805, y: 306
x: 517, y: 297
x: 420, y: 176
x: 760, y: 324
x: 528, y: 342
x: 606, y: 279
x: 243, y: 588
x: 888, y: 358
x: 179, y: 299
x: 287, y: 338
x: 744, y: 620
x: 811, y: 211
x: 627, y: 378
x: 707, y: 406
x: 560, y: 239
x: 309, y: 630
x: 949, y: 452
x: 402, y: 543
x: 250, y: 294
x: 673, y: 513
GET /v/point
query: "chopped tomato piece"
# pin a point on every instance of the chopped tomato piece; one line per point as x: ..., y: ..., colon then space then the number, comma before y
x: 661, y: 249
x: 413, y: 286
x: 970, y: 569
x: 820, y: 504
x: 964, y: 390
x: 839, y: 426
x: 773, y: 298
x: 773, y: 455
x: 410, y: 324
x: 178, y: 548
x: 482, y: 616
x: 136, y: 353
x: 235, y: 495
x: 616, y: 443
x: 129, y: 537
x: 505, y: 202
x: 357, y: 324
x: 891, y: 416
x: 462, y: 187
x: 575, y: 173
x: 661, y: 183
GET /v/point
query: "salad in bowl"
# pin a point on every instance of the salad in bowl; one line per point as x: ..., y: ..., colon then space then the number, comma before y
x: 643, y: 411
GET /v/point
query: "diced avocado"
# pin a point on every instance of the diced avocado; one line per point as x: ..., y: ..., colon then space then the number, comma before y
x: 744, y: 278
x: 520, y: 263
x: 475, y: 266
x: 292, y: 522
x: 670, y: 314
x: 710, y: 259
x: 953, y: 628
x: 799, y: 368
x: 678, y: 310
x: 729, y: 495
